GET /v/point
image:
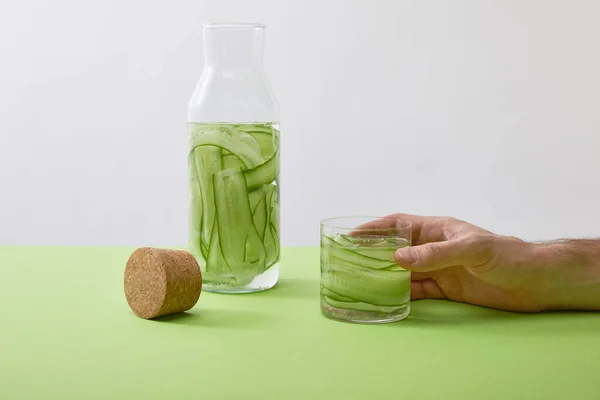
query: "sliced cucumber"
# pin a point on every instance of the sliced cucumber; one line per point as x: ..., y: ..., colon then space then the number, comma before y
x: 271, y: 236
x: 217, y: 269
x: 334, y: 295
x: 259, y: 215
x: 359, y: 306
x: 266, y: 129
x: 360, y: 273
x: 378, y: 287
x: 195, y: 220
x: 234, y: 200
x: 384, y: 254
x: 264, y: 173
x: 241, y: 245
x: 242, y: 145
x: 196, y: 249
x: 384, y: 249
x: 274, y: 217
x: 231, y: 161
x: 267, y: 140
x: 343, y: 240
x: 256, y: 197
x: 349, y: 255
x: 207, y: 162
x: 195, y: 195
x: 260, y: 208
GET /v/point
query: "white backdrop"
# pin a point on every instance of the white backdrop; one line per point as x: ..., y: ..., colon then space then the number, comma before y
x: 485, y: 110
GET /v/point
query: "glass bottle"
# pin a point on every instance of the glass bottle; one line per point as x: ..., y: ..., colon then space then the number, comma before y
x: 233, y: 123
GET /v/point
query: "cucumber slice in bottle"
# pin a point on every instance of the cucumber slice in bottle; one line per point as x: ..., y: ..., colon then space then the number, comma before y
x: 241, y: 245
x: 207, y: 162
x: 260, y: 210
x: 259, y: 216
x: 234, y: 202
x: 266, y: 129
x: 231, y: 161
x: 235, y: 141
x: 195, y: 210
x: 194, y: 243
x: 217, y: 269
x: 256, y: 196
x: 264, y: 173
x: 275, y: 211
x: 271, y: 240
x: 267, y: 138
x: 272, y: 246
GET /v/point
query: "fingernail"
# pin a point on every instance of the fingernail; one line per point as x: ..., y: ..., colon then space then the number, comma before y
x: 408, y: 255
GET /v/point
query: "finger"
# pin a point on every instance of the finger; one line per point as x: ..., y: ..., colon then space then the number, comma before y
x: 467, y: 251
x: 425, y: 229
x: 418, y: 276
x: 378, y: 227
x: 390, y: 222
x: 426, y: 289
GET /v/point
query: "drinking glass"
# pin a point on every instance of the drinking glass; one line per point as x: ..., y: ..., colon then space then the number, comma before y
x: 360, y: 280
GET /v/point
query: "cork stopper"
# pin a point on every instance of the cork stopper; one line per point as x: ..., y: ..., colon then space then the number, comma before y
x: 160, y: 282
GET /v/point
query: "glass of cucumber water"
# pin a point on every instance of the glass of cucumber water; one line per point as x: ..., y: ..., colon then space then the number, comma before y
x: 360, y: 280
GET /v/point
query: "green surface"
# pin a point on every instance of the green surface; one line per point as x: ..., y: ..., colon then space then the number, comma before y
x: 67, y: 333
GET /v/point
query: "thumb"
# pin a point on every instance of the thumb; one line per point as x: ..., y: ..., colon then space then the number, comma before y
x: 439, y: 255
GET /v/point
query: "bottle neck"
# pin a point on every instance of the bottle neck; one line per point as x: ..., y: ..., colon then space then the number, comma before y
x: 233, y: 46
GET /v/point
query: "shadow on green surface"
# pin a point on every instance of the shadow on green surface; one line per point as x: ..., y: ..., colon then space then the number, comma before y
x: 443, y: 313
x: 218, y: 318
x: 295, y: 288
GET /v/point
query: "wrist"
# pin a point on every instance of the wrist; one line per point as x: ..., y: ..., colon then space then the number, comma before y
x: 569, y: 276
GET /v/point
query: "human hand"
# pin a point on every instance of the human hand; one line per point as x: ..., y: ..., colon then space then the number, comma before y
x: 452, y: 259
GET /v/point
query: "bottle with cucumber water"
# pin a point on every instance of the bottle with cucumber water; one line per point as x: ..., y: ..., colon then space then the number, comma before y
x: 234, y: 164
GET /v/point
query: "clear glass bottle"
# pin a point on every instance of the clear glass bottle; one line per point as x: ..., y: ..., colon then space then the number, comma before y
x: 233, y: 122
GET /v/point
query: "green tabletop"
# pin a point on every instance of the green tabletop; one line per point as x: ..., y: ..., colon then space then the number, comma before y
x: 67, y: 333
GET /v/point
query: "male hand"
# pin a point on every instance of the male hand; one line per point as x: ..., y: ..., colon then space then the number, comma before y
x: 452, y: 259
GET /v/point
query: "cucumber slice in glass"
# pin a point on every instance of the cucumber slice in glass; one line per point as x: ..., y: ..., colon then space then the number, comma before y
x: 358, y: 306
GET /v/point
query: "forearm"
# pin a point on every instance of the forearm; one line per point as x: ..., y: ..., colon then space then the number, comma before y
x: 571, y: 274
